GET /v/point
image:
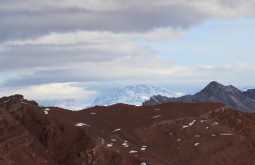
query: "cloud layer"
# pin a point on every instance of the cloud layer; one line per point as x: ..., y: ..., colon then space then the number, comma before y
x: 29, y: 18
x: 69, y: 48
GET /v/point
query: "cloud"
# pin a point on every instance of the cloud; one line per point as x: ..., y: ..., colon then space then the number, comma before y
x: 140, y: 69
x: 50, y: 46
x: 50, y: 91
x: 29, y: 19
x: 59, y: 50
x: 69, y: 81
x: 30, y: 58
x: 95, y: 37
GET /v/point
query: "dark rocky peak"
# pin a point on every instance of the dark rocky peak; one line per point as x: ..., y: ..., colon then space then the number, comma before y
x: 215, y: 87
x: 215, y: 84
x: 215, y: 92
x: 15, y: 99
x: 250, y: 93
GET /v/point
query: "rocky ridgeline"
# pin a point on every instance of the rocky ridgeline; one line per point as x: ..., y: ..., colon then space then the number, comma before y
x: 214, y: 92
x: 170, y: 133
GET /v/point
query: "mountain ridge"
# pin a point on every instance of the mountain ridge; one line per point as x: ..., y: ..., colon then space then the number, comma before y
x: 132, y: 94
x: 214, y: 92
x: 169, y: 133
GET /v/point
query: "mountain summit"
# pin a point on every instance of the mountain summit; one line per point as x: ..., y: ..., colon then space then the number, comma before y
x: 215, y: 92
x: 133, y: 95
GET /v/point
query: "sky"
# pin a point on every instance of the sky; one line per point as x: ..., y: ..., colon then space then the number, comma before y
x: 65, y: 49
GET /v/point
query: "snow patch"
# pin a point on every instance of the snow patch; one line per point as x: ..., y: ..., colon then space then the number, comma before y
x: 196, y: 144
x: 197, y: 136
x: 81, y: 124
x: 132, y: 151
x: 189, y: 125
x: 154, y: 117
x: 109, y: 145
x: 46, y: 111
x: 93, y: 113
x: 226, y: 134
x: 157, y: 109
x: 178, y: 140
x: 116, y: 130
x: 215, y: 123
x: 143, y: 163
x: 143, y: 148
x: 7, y: 100
x: 125, y: 144
x: 155, y: 99
x: 185, y: 126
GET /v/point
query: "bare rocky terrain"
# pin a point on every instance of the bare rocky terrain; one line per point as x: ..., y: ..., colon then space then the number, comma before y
x: 214, y: 92
x: 165, y: 134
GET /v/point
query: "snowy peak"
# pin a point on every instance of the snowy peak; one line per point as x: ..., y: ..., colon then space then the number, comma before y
x: 134, y: 95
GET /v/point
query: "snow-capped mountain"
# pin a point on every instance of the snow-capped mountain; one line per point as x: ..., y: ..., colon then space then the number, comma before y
x: 70, y: 104
x: 134, y: 95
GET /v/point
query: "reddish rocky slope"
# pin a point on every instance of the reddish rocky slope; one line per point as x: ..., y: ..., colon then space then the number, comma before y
x: 166, y: 134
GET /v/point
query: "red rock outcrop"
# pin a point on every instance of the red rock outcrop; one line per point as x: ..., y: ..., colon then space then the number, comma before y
x: 166, y: 134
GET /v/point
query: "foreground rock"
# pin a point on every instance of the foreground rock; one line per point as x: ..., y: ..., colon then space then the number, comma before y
x: 167, y: 134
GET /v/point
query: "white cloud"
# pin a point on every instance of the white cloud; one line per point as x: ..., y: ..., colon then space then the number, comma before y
x: 58, y: 50
x: 94, y: 37
x: 50, y: 91
x: 140, y: 69
x: 51, y: 83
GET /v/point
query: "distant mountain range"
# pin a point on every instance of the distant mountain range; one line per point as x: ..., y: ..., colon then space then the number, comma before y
x: 214, y: 92
x: 70, y: 104
x: 133, y: 95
